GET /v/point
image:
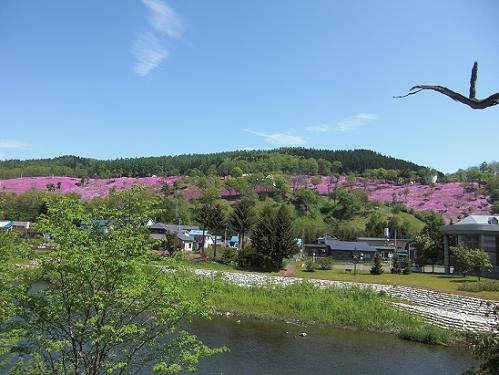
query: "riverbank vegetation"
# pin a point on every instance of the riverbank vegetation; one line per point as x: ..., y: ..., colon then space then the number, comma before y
x: 453, y: 284
x: 357, y: 308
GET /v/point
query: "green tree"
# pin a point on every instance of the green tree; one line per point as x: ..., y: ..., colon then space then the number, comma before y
x: 396, y: 266
x: 237, y: 172
x: 305, y: 200
x: 309, y: 228
x: 286, y: 244
x: 424, y: 246
x: 12, y: 250
x: 376, y: 222
x: 461, y: 260
x: 263, y: 239
x: 377, y: 268
x: 479, y: 261
x: 433, y: 221
x: 171, y: 242
x: 468, y: 260
x: 242, y: 220
x: 216, y: 222
x: 203, y: 216
x: 103, y: 308
x: 348, y: 204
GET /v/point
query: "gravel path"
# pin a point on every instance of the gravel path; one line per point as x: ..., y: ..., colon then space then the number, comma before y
x: 442, y: 309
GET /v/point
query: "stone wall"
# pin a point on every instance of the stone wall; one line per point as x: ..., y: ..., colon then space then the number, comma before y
x: 442, y: 309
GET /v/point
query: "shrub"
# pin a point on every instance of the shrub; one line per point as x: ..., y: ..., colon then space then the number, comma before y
x: 489, y: 286
x: 229, y: 256
x: 325, y: 263
x: 308, y: 265
x: 405, y: 265
x: 246, y: 258
x: 428, y: 335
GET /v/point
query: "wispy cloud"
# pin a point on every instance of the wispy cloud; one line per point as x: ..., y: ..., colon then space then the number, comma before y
x: 163, y: 19
x: 12, y: 144
x: 149, y: 52
x: 318, y: 128
x: 149, y: 47
x: 279, y: 138
x: 356, y: 121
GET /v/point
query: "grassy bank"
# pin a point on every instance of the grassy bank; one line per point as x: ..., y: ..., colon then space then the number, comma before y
x: 439, y: 282
x: 353, y: 308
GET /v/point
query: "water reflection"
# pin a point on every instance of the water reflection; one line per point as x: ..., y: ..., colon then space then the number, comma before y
x: 261, y: 347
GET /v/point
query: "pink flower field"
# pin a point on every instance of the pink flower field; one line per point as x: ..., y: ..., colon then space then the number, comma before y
x: 93, y: 187
x: 449, y: 199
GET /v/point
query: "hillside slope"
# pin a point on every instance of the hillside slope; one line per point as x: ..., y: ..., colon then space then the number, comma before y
x: 453, y: 200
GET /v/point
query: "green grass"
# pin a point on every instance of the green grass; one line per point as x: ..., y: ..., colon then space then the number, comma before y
x: 354, y: 307
x: 440, y: 282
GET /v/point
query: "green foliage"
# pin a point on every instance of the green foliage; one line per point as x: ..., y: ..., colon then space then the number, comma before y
x: 241, y: 220
x: 272, y: 239
x: 102, y: 307
x: 237, y: 172
x: 406, y: 266
x: 486, y: 347
x: 432, y: 236
x: 309, y: 228
x: 424, y: 245
x: 376, y: 222
x: 24, y: 207
x: 428, y: 334
x: 479, y: 261
x: 246, y: 258
x: 12, y: 250
x: 490, y: 286
x: 286, y: 160
x: 217, y: 222
x: 377, y: 268
x: 396, y: 266
x: 308, y: 265
x: 354, y: 307
x: 229, y: 256
x: 171, y: 242
x: 349, y: 203
x: 325, y: 263
x: 468, y: 260
x: 305, y: 200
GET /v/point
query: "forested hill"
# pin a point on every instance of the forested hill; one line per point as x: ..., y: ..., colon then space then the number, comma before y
x: 286, y: 160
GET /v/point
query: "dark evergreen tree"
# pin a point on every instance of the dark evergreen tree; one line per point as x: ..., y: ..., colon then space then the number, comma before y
x: 377, y: 268
x: 203, y: 215
x: 241, y: 220
x: 286, y: 244
x: 396, y: 266
x: 216, y: 222
x: 263, y: 240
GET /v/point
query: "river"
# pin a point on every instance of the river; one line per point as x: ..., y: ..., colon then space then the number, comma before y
x: 263, y: 347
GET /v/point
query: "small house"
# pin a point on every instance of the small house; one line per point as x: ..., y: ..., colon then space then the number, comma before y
x: 346, y: 250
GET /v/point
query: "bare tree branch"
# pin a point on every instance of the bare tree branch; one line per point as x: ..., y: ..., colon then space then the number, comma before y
x: 471, y: 101
x: 474, y: 76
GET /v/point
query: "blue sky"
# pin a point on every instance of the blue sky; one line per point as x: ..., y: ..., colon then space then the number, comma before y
x: 124, y: 78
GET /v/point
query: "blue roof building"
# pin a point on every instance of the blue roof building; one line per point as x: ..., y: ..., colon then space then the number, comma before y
x: 346, y: 250
x: 6, y: 224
